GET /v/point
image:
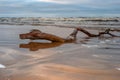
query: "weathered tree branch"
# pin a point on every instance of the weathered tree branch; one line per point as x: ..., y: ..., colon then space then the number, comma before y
x: 107, y: 31
x: 86, y: 32
x: 37, y: 34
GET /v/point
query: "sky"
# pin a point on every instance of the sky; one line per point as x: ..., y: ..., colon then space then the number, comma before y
x: 59, y: 8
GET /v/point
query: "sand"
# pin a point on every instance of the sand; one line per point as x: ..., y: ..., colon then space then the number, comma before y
x: 85, y: 59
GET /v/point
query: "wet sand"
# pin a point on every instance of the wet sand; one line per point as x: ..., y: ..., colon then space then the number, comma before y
x: 85, y: 59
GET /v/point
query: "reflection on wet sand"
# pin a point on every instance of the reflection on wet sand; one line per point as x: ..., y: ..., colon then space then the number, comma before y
x: 52, y: 71
x: 34, y: 46
x: 85, y: 59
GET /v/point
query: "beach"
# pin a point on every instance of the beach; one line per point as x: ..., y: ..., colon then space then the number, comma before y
x: 85, y: 59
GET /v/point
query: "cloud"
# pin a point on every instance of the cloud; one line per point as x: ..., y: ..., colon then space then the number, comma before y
x: 87, y: 2
x: 103, y: 4
x: 64, y: 1
x: 59, y: 8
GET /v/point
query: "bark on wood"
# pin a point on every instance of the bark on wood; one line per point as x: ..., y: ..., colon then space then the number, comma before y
x: 37, y: 34
x: 107, y: 31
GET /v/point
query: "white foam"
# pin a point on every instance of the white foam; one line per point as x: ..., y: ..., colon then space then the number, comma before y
x: 102, y: 42
x: 118, y: 69
x: 89, y: 46
x: 2, y: 66
x: 95, y: 55
x: 107, y: 40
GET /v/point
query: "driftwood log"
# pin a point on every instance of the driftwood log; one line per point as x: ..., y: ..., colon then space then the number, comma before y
x: 37, y: 34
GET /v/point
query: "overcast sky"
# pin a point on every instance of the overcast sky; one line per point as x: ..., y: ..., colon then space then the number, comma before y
x: 59, y: 8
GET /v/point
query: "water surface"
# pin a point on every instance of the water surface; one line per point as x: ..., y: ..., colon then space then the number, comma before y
x: 85, y: 59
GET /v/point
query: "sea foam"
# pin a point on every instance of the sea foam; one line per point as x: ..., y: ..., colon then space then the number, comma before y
x: 2, y: 66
